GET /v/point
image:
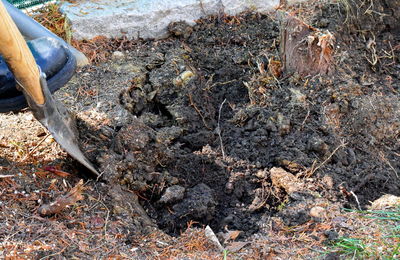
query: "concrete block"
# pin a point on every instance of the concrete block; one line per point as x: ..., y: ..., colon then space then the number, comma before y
x: 147, y: 18
x: 233, y: 7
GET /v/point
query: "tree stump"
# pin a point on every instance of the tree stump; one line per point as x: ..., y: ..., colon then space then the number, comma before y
x: 305, y: 49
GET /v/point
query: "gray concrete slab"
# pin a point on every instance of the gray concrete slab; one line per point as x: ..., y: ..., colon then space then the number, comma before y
x: 147, y: 18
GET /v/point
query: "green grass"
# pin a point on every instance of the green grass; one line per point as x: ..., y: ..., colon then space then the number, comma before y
x: 350, y: 247
x: 225, y: 254
x: 381, y: 241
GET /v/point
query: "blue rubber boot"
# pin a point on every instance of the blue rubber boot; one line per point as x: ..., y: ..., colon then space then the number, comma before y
x: 56, y: 61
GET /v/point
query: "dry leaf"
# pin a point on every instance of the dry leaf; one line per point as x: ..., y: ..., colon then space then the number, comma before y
x: 62, y: 202
x: 236, y: 246
x: 231, y: 235
x: 234, y: 234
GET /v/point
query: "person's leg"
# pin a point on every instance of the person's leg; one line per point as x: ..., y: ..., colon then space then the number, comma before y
x: 56, y: 61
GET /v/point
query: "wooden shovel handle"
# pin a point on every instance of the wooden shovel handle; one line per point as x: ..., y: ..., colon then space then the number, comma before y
x: 18, y: 57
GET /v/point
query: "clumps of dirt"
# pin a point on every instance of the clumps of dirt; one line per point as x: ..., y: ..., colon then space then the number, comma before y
x: 212, y: 130
x: 179, y: 99
x: 137, y: 158
x: 206, y: 129
x: 198, y: 204
x: 375, y: 118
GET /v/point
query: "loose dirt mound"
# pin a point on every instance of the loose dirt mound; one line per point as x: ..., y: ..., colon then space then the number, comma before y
x: 214, y: 118
x: 203, y: 128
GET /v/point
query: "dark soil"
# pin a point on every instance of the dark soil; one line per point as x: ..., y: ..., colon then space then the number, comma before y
x: 197, y: 129
x: 212, y: 120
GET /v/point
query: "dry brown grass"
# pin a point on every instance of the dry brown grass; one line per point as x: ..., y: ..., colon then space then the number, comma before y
x: 51, y: 18
x: 98, y: 49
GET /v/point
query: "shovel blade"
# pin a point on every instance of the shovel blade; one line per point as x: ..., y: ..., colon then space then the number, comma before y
x: 60, y: 123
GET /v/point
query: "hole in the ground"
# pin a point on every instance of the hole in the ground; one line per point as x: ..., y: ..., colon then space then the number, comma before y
x: 160, y: 109
x: 184, y: 170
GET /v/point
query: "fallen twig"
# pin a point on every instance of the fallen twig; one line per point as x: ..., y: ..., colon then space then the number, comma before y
x: 383, y: 158
x: 219, y: 129
x: 305, y: 119
x: 56, y: 171
x: 313, y: 170
x: 356, y: 198
x: 198, y: 111
x: 6, y: 176
x: 34, y: 148
x: 218, y: 84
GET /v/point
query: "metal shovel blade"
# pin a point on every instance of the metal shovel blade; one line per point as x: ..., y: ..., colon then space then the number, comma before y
x: 55, y: 117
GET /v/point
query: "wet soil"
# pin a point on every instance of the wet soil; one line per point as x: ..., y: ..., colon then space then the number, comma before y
x: 197, y: 129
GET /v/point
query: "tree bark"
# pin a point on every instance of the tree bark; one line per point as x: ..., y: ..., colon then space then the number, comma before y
x: 304, y: 49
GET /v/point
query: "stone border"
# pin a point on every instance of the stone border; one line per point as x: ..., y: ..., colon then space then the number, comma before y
x: 148, y: 18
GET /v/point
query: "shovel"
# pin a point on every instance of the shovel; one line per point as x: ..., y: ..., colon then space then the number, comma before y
x: 50, y: 113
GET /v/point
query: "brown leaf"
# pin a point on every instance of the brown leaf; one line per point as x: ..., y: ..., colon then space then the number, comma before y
x: 74, y: 195
x: 236, y: 246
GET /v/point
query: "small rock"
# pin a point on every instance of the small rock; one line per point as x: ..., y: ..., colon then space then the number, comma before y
x: 283, y: 179
x: 49, y: 140
x: 209, y: 233
x: 173, y: 194
x: 29, y: 117
x: 117, y: 55
x: 229, y: 186
x: 317, y: 212
x: 317, y: 145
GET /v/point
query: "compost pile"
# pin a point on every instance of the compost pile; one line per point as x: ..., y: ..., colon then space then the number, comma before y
x: 204, y: 128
